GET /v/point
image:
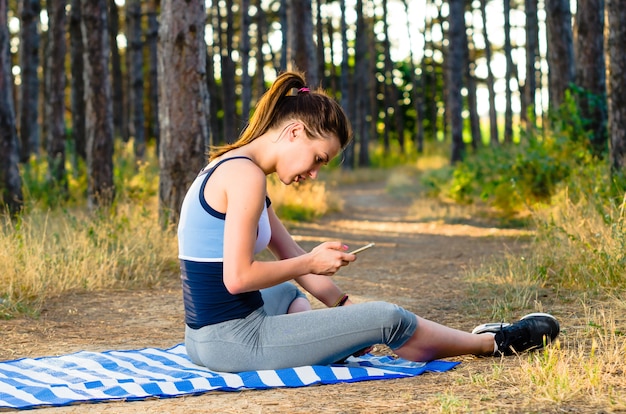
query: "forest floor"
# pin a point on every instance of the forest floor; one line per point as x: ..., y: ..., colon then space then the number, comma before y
x: 420, y: 264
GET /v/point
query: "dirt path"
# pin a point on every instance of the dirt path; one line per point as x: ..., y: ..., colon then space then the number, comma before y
x: 419, y: 265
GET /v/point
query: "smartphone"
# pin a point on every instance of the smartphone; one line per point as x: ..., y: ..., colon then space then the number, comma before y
x: 360, y: 249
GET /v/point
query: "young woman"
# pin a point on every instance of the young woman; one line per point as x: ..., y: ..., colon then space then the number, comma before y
x: 244, y: 314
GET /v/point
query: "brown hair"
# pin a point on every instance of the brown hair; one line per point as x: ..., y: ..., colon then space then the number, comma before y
x: 289, y: 99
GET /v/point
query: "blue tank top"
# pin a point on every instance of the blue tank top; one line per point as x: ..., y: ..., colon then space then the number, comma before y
x: 200, y: 251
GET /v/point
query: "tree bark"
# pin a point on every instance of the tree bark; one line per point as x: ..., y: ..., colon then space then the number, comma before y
x: 55, y: 96
x: 344, y: 82
x: 470, y: 82
x: 591, y: 71
x: 152, y: 38
x: 301, y: 49
x: 183, y: 106
x: 99, y: 106
x: 508, y: 111
x: 77, y: 79
x: 493, y: 115
x: 416, y: 90
x: 454, y: 104
x: 246, y: 80
x: 28, y: 93
x: 135, y: 77
x: 261, y: 39
x: 10, y: 183
x: 120, y: 120
x: 532, y: 64
x: 616, y: 16
x: 363, y: 115
x: 229, y: 98
x: 560, y: 50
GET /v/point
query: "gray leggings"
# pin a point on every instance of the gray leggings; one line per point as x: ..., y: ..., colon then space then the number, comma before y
x: 269, y: 338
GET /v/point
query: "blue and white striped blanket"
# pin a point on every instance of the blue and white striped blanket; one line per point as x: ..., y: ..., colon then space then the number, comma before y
x: 148, y: 373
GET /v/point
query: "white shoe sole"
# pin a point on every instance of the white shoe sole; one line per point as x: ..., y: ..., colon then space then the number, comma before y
x: 494, y: 327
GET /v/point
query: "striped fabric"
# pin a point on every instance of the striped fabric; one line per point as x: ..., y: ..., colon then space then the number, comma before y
x: 148, y: 373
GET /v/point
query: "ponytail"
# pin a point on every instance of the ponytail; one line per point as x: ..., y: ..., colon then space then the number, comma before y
x: 290, y: 99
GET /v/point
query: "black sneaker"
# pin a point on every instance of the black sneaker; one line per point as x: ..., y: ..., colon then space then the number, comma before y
x: 531, y: 332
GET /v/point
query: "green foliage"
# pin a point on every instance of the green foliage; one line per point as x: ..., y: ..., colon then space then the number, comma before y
x: 42, y: 191
x: 512, y: 178
x: 394, y: 156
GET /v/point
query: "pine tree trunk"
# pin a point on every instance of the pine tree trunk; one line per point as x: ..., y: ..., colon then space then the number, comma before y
x: 493, y: 115
x: 261, y: 39
x: 77, y: 81
x: 152, y: 38
x: 416, y: 91
x: 532, y: 58
x: 591, y: 71
x: 183, y: 106
x: 99, y: 106
x: 229, y: 98
x: 362, y: 116
x: 344, y: 82
x: 454, y: 61
x: 616, y: 16
x: 10, y: 184
x: 135, y: 76
x: 29, y: 89
x: 301, y: 49
x: 560, y: 50
x: 55, y: 96
x: 246, y: 80
x: 472, y: 100
x: 120, y: 120
x: 508, y: 111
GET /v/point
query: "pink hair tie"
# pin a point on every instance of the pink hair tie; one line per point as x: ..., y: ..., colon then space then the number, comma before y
x: 304, y: 90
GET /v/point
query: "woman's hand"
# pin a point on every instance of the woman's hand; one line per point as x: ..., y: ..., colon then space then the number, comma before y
x: 329, y: 257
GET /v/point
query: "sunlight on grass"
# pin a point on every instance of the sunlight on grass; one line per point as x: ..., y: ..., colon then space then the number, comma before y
x: 589, y: 366
x: 303, y: 201
x: 46, y: 254
x: 583, y: 245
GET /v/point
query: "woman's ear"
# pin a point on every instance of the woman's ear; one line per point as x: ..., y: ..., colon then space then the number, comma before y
x: 296, y: 130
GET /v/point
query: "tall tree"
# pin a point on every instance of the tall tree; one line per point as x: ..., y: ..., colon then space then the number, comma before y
x: 591, y: 69
x: 28, y: 97
x: 344, y: 81
x: 393, y: 117
x: 470, y: 82
x: 55, y: 94
x: 77, y: 79
x: 616, y: 16
x: 152, y: 38
x: 454, y: 104
x: 120, y: 120
x: 10, y: 184
x: 532, y: 63
x: 508, y: 75
x: 319, y: 37
x: 183, y: 106
x: 134, y: 55
x: 301, y: 50
x: 560, y: 50
x: 260, y: 41
x: 493, y: 115
x: 416, y: 88
x: 227, y: 72
x: 429, y: 70
x: 246, y: 80
x: 99, y: 105
x: 362, y: 115
x: 213, y: 49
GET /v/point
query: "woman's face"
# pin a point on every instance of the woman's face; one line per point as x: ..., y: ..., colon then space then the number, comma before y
x: 303, y: 157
